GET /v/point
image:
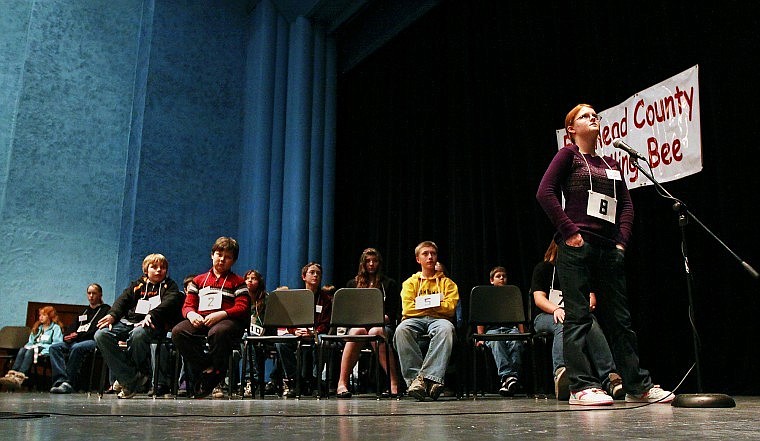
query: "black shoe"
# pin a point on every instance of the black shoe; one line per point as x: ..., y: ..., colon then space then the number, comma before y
x: 271, y: 389
x: 208, y: 381
x: 162, y: 391
x: 509, y: 387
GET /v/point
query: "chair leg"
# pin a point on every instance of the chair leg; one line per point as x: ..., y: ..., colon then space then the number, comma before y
x: 102, y: 384
x: 320, y: 361
x: 156, y: 367
x: 243, y: 365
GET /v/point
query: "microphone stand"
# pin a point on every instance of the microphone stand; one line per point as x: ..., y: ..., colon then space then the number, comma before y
x: 699, y: 399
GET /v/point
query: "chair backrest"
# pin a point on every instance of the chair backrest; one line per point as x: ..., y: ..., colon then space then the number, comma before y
x: 14, y: 337
x: 289, y: 308
x: 496, y: 305
x: 357, y: 307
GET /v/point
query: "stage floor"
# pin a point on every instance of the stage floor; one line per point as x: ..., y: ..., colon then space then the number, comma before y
x: 42, y: 416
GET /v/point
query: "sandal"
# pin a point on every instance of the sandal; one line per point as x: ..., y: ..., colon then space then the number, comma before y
x: 344, y: 394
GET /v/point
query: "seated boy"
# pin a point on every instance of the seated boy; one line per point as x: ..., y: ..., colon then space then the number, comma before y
x: 506, y: 354
x: 217, y: 305
x: 78, y: 341
x: 141, y: 314
x: 428, y: 302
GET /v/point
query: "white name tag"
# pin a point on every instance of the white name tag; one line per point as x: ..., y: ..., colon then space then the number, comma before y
x: 83, y: 328
x: 45, y: 338
x: 154, y: 301
x: 318, y: 308
x: 143, y: 307
x: 256, y: 329
x: 555, y: 296
x: 427, y: 301
x: 613, y: 174
x: 601, y: 206
x: 83, y: 318
x: 210, y: 299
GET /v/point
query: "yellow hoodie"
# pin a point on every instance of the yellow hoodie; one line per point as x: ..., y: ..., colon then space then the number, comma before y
x: 419, y: 285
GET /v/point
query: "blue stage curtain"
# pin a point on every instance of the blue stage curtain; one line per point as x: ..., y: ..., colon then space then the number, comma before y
x: 287, y: 185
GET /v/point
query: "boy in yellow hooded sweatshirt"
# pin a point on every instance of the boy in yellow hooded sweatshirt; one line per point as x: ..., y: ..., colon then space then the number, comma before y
x: 428, y: 302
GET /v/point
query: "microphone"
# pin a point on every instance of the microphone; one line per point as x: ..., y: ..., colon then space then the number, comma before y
x: 620, y: 144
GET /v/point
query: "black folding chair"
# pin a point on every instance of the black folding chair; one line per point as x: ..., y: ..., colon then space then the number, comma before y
x: 292, y: 308
x: 495, y: 306
x: 356, y: 308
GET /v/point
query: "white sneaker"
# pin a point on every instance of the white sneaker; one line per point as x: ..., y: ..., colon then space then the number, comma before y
x: 654, y: 395
x: 591, y: 397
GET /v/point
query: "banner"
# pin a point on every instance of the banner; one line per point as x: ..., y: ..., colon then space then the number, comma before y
x: 662, y: 123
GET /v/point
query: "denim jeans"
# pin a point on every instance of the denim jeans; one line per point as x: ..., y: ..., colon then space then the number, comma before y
x: 128, y: 366
x: 601, y: 269
x: 24, y: 360
x: 309, y: 358
x: 68, y: 370
x: 507, y: 354
x: 433, y: 364
x: 596, y: 346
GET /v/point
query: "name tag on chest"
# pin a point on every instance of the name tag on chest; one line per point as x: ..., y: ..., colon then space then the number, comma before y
x: 601, y: 206
x: 427, y: 301
x: 83, y: 328
x: 210, y: 299
x: 555, y: 296
x: 256, y: 329
x: 145, y: 306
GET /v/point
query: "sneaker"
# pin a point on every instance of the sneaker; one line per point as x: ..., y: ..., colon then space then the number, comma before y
x: 116, y: 386
x: 63, y: 388
x: 615, y: 387
x: 218, y: 392
x: 509, y: 387
x: 208, y: 381
x: 129, y: 392
x: 162, y: 391
x: 289, y: 388
x: 591, y: 397
x: 417, y: 389
x: 434, y: 390
x: 126, y: 393
x: 654, y: 395
x: 271, y: 389
x: 561, y: 384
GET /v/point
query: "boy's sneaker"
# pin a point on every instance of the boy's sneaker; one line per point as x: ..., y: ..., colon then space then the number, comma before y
x: 509, y: 387
x: 126, y: 393
x: 434, y: 390
x: 289, y: 388
x: 654, y: 395
x: 63, y: 388
x: 115, y: 388
x: 561, y: 384
x: 417, y: 389
x: 129, y: 392
x: 591, y: 397
x: 218, y: 392
x: 615, y: 387
x: 162, y: 391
